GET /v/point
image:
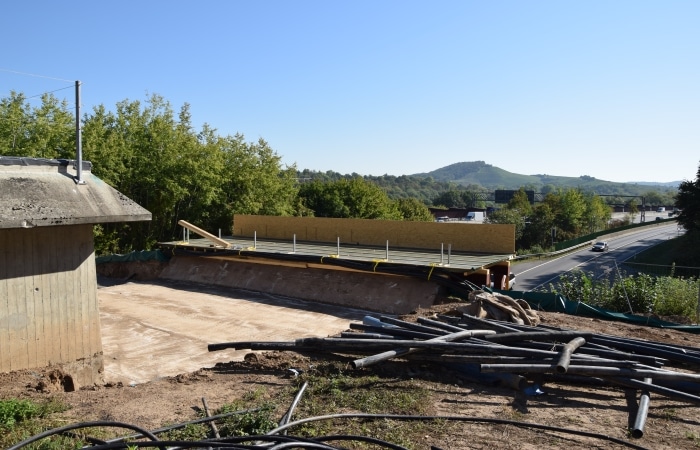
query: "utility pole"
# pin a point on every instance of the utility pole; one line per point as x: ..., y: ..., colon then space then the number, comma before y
x: 78, y: 136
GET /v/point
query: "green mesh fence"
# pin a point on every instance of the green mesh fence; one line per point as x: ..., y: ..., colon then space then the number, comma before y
x: 542, y: 301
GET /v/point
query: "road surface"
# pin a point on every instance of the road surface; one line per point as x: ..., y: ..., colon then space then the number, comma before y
x: 537, y: 274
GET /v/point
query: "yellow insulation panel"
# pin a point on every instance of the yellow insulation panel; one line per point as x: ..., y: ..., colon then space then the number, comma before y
x: 463, y: 237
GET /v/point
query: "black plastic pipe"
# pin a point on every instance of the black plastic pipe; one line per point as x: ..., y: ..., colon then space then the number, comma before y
x: 593, y: 371
x: 364, y: 362
x: 642, y: 411
x: 566, y: 351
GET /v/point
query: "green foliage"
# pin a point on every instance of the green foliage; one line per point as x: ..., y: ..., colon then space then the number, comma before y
x: 332, y: 388
x: 520, y: 203
x: 13, y: 411
x: 249, y: 423
x: 47, y: 131
x: 354, y: 198
x: 644, y: 294
x: 688, y: 201
x: 190, y: 432
x: 414, y: 210
x: 160, y: 162
x: 509, y: 216
x: 20, y: 419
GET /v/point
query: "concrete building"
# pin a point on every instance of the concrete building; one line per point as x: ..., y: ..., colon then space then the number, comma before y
x: 48, y: 290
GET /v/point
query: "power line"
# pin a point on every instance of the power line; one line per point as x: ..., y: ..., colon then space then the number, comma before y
x: 49, y: 92
x: 34, y: 75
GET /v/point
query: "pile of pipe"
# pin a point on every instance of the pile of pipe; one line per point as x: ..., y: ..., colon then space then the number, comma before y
x: 518, y: 356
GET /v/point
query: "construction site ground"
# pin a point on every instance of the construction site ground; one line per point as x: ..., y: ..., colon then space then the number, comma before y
x: 158, y: 369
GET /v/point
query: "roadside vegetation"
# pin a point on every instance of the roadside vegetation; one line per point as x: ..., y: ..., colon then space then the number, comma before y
x: 663, y: 281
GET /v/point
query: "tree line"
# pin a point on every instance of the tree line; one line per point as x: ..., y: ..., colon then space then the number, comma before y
x: 157, y: 158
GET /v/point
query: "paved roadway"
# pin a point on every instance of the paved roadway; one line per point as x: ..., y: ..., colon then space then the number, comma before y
x: 537, y: 274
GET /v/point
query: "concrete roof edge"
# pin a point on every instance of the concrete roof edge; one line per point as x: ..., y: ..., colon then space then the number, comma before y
x: 41, y: 192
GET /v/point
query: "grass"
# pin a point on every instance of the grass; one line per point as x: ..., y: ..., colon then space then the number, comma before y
x: 331, y: 390
x: 663, y: 254
x: 22, y: 419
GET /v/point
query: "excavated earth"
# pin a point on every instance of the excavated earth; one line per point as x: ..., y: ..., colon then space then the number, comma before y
x: 158, y: 370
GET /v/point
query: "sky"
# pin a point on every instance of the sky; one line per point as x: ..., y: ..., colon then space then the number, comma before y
x: 608, y: 89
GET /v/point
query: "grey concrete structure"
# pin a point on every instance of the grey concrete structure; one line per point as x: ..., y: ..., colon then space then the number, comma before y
x: 48, y: 290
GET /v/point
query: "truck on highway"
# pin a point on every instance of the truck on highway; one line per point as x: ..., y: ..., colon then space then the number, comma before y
x: 475, y: 215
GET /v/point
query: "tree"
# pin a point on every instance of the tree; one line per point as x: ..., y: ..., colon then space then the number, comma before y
x: 413, y: 209
x: 520, y: 203
x: 255, y: 181
x: 355, y: 198
x: 155, y: 161
x: 597, y: 214
x: 47, y: 131
x: 509, y: 216
x: 15, y: 116
x: 571, y: 213
x: 451, y: 199
x: 654, y: 199
x: 538, y: 232
x: 688, y: 201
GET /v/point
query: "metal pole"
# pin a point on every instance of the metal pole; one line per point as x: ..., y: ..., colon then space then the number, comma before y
x: 387, y: 258
x: 78, y: 136
x: 449, y: 253
x: 338, y: 251
x: 642, y: 412
x: 294, y: 243
x: 212, y: 424
x: 255, y: 239
x: 442, y: 251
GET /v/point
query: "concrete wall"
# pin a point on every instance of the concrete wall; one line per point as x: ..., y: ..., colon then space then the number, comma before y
x: 464, y: 237
x: 48, y: 302
x: 383, y: 293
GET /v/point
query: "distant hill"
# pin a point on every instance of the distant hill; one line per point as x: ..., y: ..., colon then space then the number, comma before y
x: 671, y: 184
x: 491, y: 177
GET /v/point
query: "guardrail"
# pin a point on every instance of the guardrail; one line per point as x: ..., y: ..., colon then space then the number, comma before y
x: 574, y: 244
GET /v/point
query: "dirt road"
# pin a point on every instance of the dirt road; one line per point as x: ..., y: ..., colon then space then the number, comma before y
x: 159, y: 329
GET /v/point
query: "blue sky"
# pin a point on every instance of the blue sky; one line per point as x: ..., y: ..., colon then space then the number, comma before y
x: 609, y: 89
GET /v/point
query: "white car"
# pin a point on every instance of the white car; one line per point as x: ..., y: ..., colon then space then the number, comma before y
x: 600, y: 246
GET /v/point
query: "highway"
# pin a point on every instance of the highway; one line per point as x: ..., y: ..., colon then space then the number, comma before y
x: 538, y: 274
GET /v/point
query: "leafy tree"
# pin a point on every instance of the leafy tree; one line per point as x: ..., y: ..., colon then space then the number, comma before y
x: 688, y: 201
x: 47, y: 131
x: 538, y: 231
x: 570, y: 207
x: 631, y: 206
x: 255, y: 182
x: 654, y: 199
x: 51, y: 132
x: 597, y: 214
x: 153, y: 161
x: 355, y: 198
x: 413, y: 209
x: 520, y: 203
x: 15, y: 116
x: 509, y: 216
x: 163, y: 164
x: 451, y: 199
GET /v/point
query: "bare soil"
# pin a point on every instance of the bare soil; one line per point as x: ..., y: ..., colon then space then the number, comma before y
x: 167, y: 393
